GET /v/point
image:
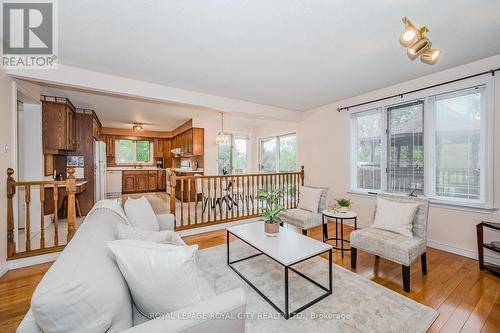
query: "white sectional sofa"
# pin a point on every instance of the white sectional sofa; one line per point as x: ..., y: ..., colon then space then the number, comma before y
x: 84, y: 291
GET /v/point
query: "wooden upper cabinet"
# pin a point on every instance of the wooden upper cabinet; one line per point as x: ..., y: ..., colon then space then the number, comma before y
x: 96, y: 129
x: 58, y: 124
x: 167, y: 154
x: 109, y: 140
x: 158, y: 148
x: 198, y: 143
x: 191, y: 142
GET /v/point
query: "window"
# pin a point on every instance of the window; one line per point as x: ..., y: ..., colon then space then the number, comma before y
x: 234, y: 156
x: 367, y: 129
x: 278, y: 154
x: 134, y: 151
x: 459, y: 155
x: 405, y: 160
x: 438, y: 146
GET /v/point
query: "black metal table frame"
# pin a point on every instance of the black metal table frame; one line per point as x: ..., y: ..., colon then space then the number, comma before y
x: 336, y: 238
x: 286, y: 314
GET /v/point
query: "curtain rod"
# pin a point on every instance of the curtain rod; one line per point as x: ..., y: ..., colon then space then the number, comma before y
x: 346, y: 108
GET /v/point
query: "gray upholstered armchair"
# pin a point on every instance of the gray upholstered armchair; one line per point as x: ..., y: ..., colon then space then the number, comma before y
x: 305, y: 219
x: 393, y: 246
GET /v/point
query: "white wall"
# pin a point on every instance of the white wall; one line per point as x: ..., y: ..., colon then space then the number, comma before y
x: 30, y: 165
x: 324, y: 151
x: 6, y: 158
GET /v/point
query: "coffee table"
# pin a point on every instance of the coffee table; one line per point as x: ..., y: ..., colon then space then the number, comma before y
x: 287, y: 249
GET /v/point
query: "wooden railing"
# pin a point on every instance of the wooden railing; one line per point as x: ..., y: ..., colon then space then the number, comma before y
x: 45, y: 187
x: 199, y: 201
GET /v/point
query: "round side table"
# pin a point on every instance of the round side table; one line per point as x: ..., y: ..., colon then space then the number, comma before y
x: 338, y: 216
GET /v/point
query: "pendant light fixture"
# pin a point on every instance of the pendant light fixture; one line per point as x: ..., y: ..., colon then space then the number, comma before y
x: 222, y: 138
x: 418, y: 44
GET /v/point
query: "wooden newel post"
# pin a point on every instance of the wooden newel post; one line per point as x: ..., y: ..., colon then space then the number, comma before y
x: 71, y: 189
x: 173, y: 183
x: 302, y: 175
x: 11, y: 191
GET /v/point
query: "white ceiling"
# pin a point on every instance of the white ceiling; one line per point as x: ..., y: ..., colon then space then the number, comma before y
x: 290, y: 53
x: 122, y: 112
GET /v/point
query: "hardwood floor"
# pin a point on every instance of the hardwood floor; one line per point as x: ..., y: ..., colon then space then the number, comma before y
x: 467, y: 299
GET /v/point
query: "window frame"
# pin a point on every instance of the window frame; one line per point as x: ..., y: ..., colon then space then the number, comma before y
x: 277, y: 156
x: 135, y: 162
x: 487, y: 130
x: 233, y: 136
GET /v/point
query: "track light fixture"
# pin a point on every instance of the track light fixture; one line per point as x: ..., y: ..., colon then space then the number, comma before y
x: 417, y: 43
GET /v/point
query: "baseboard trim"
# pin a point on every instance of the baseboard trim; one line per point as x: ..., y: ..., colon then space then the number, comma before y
x: 30, y: 261
x: 4, y: 269
x: 447, y: 248
x: 195, y: 231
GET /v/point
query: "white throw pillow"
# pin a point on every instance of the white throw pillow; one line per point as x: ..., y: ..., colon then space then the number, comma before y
x: 163, y: 236
x: 140, y: 214
x: 161, y: 277
x: 309, y: 198
x: 395, y: 216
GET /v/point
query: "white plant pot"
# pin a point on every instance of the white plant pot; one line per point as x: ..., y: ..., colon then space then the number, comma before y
x: 343, y: 209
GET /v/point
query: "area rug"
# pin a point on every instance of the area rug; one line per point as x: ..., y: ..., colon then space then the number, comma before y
x: 356, y: 305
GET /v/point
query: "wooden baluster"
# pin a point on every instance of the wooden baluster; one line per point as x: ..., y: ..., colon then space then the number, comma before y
x: 71, y: 189
x: 55, y: 197
x: 253, y: 195
x: 220, y: 198
x: 243, y: 201
x: 203, y: 198
x: 302, y: 175
x: 42, y: 216
x: 172, y: 184
x: 238, y: 195
x: 196, y: 200
x: 259, y: 182
x: 11, y: 191
x: 189, y: 201
x: 226, y: 196
x: 247, y: 179
x: 288, y: 193
x: 233, y: 207
x: 298, y: 190
x: 182, y: 202
x: 209, y: 203
x: 27, y: 200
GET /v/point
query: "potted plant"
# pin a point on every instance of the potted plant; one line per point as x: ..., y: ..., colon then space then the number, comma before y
x: 344, y: 205
x: 270, y: 210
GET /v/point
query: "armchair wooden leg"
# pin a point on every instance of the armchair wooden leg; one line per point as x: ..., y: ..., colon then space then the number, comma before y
x: 304, y: 232
x: 354, y: 252
x: 423, y: 261
x: 406, y: 278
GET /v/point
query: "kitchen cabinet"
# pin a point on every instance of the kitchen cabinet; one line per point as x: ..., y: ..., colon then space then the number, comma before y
x: 167, y: 154
x: 158, y: 148
x: 128, y: 183
x: 96, y: 128
x: 191, y: 142
x: 58, y: 124
x: 153, y: 181
x: 110, y: 145
x: 161, y: 180
x: 134, y: 181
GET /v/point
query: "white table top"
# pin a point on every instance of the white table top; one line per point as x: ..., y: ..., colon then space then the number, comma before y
x: 347, y: 215
x: 288, y: 247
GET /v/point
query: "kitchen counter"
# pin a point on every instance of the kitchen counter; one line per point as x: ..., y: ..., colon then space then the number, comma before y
x: 128, y: 168
x: 187, y: 171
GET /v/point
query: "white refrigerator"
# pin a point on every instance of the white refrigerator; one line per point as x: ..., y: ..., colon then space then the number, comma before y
x: 100, y: 170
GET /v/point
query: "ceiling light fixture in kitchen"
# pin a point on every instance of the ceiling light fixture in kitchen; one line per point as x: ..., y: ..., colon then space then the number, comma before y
x: 222, y: 138
x: 137, y: 127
